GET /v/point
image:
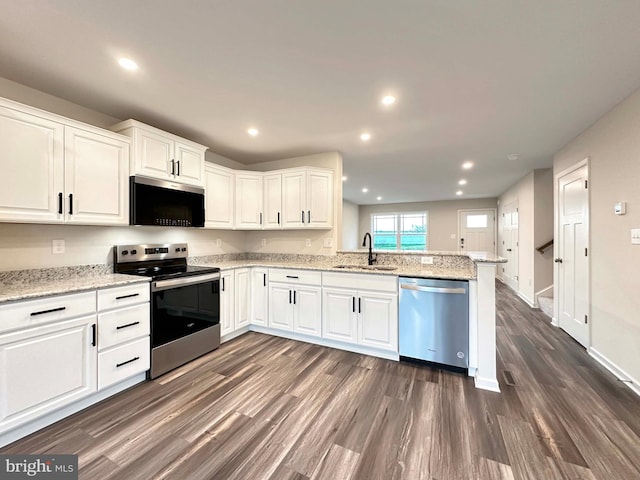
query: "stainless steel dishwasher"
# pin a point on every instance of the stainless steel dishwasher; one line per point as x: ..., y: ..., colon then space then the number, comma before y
x: 434, y: 321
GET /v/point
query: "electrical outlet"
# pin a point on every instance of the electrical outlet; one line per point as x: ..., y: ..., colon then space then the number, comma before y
x: 57, y: 246
x: 308, y: 242
x: 426, y: 260
x: 327, y: 243
x: 218, y: 242
x: 263, y: 242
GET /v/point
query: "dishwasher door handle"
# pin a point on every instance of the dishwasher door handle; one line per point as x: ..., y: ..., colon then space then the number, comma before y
x: 433, y: 289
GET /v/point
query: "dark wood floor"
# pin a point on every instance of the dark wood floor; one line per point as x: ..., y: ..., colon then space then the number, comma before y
x: 262, y: 407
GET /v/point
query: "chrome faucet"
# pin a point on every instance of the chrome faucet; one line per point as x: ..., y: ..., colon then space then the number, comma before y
x: 371, y: 260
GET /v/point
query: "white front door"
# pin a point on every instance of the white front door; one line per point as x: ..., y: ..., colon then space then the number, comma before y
x: 509, y: 247
x: 477, y: 230
x: 572, y: 265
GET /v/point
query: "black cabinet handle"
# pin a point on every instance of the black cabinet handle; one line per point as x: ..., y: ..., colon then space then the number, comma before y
x: 294, y: 297
x: 558, y: 260
x: 127, y: 296
x: 302, y: 212
x: 278, y: 218
x: 120, y: 327
x: 359, y: 305
x: 118, y: 365
x: 289, y: 296
x: 308, y: 216
x: 260, y: 218
x: 178, y: 170
x: 42, y: 312
x: 508, y: 249
x: 173, y: 167
x: 292, y: 276
x: 93, y: 335
x: 71, y: 204
x: 353, y: 304
x: 223, y: 284
x: 60, y: 203
x: 264, y: 279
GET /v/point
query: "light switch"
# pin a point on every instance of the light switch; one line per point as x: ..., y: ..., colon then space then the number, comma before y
x: 635, y: 236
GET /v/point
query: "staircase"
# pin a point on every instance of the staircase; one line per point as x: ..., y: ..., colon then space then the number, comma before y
x: 545, y: 301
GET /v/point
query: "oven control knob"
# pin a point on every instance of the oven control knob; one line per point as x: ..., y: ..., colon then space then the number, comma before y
x: 125, y: 252
x: 133, y: 252
x: 184, y: 249
x: 177, y: 249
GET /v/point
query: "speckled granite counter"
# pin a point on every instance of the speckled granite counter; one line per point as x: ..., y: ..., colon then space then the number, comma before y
x: 29, y: 284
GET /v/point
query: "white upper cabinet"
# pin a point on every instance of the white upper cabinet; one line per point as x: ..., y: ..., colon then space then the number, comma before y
x: 162, y: 155
x: 249, y: 200
x: 219, y: 196
x: 307, y: 198
x: 272, y: 200
x: 61, y: 170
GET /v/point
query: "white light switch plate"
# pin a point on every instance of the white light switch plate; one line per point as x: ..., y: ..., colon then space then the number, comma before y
x: 57, y: 246
x: 635, y: 236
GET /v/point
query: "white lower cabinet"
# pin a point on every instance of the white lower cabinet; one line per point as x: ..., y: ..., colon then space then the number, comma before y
x: 259, y: 296
x: 242, y: 297
x: 235, y: 302
x: 295, y: 301
x: 367, y: 318
x: 227, y: 302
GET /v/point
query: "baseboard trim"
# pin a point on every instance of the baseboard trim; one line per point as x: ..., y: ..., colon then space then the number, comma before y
x: 490, y: 384
x: 555, y: 322
x: 619, y: 373
x: 527, y: 300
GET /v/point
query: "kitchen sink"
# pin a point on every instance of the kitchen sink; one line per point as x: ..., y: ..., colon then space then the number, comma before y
x: 368, y: 267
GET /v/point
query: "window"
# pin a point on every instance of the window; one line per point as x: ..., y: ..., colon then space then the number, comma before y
x: 399, y: 231
x: 477, y: 221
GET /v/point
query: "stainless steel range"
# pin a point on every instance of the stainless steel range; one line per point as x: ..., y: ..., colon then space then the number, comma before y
x: 185, y: 302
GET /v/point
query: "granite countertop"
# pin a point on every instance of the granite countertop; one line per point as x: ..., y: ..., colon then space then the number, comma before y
x: 30, y: 284
x: 422, y: 271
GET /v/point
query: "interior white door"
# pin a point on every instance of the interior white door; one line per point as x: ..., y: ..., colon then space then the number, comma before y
x: 509, y: 247
x: 572, y: 263
x: 476, y: 230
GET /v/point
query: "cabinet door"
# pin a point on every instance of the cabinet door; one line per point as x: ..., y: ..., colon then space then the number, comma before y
x: 189, y: 165
x: 243, y: 297
x: 281, y: 306
x: 219, y: 195
x: 259, y: 296
x: 96, y: 176
x: 153, y: 155
x: 293, y: 199
x: 33, y: 157
x: 227, y: 301
x: 339, y: 319
x: 319, y: 199
x: 249, y: 200
x: 272, y: 200
x: 378, y: 320
x: 307, y: 310
x: 45, y: 368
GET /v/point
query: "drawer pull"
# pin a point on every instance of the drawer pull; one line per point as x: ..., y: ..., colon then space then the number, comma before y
x: 127, y: 296
x: 59, y: 309
x: 93, y: 335
x: 118, y: 365
x: 292, y: 276
x: 119, y: 327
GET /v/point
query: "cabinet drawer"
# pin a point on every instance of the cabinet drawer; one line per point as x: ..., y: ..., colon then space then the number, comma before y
x: 122, y: 325
x: 380, y: 283
x: 46, y: 310
x: 123, y: 362
x: 307, y: 277
x: 123, y: 296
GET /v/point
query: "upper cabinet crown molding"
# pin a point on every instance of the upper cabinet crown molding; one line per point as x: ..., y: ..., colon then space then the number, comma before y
x: 163, y: 155
x: 62, y: 171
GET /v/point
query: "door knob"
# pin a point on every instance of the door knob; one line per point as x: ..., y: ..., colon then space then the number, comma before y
x: 558, y: 260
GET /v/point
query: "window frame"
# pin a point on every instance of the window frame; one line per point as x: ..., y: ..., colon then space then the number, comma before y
x: 398, y: 216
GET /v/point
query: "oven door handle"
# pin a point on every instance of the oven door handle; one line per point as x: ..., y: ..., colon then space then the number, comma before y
x: 183, y: 281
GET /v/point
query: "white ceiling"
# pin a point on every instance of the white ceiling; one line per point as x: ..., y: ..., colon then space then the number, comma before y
x: 474, y: 80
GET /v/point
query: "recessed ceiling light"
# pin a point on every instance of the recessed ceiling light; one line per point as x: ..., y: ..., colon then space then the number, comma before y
x: 467, y: 165
x: 365, y: 136
x: 513, y: 156
x: 365, y: 190
x: 344, y: 178
x: 462, y: 182
x: 253, y: 132
x: 459, y: 192
x: 128, y: 64
x: 378, y: 198
x: 388, y: 100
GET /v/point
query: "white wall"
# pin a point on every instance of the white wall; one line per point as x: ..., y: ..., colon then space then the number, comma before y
x: 542, y: 228
x: 442, y: 231
x: 294, y: 241
x: 350, y: 224
x: 612, y: 145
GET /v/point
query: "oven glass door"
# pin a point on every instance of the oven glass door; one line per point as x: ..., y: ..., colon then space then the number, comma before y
x: 182, y: 310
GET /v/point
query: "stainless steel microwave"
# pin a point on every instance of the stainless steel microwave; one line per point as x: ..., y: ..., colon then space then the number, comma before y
x: 165, y: 204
